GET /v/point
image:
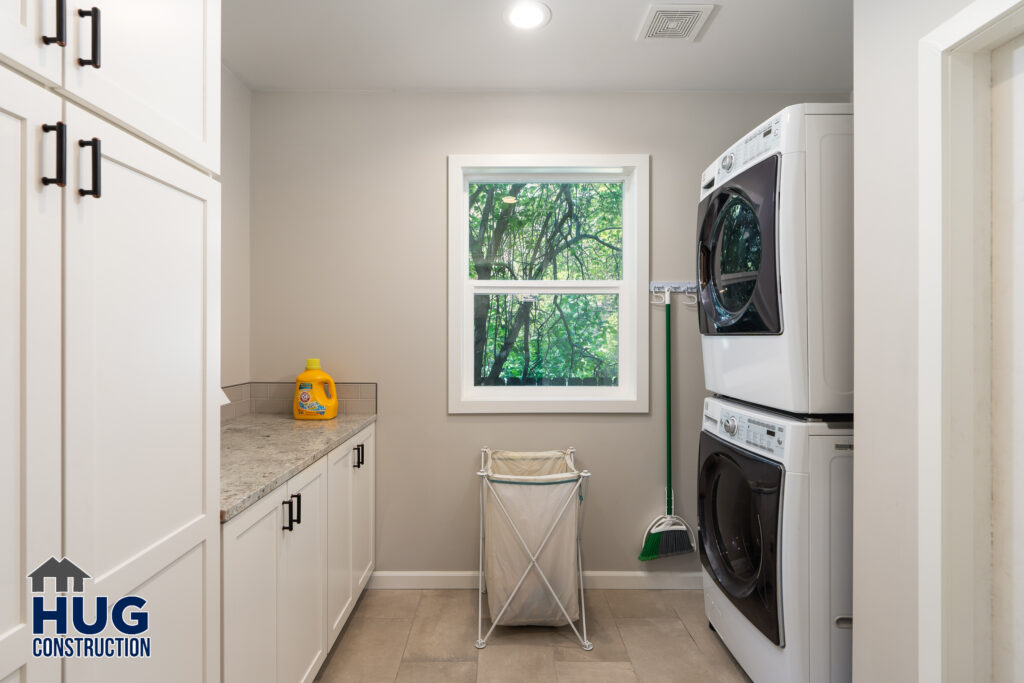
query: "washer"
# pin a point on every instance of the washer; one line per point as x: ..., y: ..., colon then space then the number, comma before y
x: 775, y: 501
x: 775, y: 263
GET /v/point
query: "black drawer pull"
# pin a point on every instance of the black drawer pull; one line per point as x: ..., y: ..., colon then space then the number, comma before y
x: 298, y: 507
x: 362, y: 454
x: 62, y: 27
x: 62, y: 153
x: 290, y: 524
x: 94, y: 61
x: 96, y: 151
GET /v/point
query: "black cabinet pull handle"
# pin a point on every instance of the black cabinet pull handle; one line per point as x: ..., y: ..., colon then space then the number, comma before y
x: 94, y: 62
x: 362, y: 455
x: 298, y: 507
x: 95, y: 144
x: 290, y: 524
x: 62, y: 153
x: 62, y: 27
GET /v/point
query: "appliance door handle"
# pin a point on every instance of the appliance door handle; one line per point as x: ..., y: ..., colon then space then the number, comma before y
x: 62, y: 153
x: 298, y: 507
x: 94, y: 60
x: 62, y: 27
x: 96, y: 175
x: 290, y: 526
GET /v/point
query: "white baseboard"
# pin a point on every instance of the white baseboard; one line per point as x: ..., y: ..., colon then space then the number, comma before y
x: 591, y: 579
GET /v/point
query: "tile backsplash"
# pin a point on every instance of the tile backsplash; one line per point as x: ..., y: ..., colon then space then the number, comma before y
x: 276, y: 397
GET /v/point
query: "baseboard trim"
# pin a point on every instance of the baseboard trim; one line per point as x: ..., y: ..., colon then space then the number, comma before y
x: 591, y: 579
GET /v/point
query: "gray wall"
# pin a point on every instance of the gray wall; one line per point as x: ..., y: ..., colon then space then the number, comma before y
x: 349, y: 264
x: 236, y: 104
x: 886, y: 36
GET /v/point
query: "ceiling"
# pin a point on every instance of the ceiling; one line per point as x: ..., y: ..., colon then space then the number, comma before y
x: 589, y: 45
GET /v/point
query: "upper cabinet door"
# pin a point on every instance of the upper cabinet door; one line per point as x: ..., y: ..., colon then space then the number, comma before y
x: 158, y: 69
x: 23, y: 24
x: 30, y: 404
x: 141, y: 379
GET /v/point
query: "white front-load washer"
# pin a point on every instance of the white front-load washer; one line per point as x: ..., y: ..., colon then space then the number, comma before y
x: 775, y: 502
x: 775, y: 263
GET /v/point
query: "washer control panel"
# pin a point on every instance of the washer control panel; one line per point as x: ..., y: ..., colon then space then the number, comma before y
x: 750, y: 431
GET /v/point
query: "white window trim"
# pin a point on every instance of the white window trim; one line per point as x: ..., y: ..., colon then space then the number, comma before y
x: 632, y: 393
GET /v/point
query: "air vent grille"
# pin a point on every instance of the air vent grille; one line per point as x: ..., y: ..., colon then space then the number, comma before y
x: 675, y: 21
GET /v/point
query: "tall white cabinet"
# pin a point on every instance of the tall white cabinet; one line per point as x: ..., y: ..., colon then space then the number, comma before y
x: 109, y: 377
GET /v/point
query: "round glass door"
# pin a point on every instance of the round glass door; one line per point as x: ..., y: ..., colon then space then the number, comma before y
x: 734, y: 536
x: 735, y: 258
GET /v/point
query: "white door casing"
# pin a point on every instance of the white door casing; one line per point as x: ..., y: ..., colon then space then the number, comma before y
x: 956, y: 371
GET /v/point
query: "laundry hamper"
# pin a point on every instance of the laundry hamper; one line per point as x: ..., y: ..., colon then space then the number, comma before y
x: 531, y: 519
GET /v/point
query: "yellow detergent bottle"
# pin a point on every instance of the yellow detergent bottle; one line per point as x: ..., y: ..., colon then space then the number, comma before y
x: 315, y: 395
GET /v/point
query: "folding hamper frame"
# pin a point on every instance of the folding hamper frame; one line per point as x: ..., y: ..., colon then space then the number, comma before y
x: 533, y: 469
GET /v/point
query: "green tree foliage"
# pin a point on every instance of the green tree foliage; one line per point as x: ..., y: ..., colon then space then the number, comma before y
x: 545, y: 231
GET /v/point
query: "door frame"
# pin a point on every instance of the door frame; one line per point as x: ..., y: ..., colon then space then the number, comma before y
x: 954, y: 340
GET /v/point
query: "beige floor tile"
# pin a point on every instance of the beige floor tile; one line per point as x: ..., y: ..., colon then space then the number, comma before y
x: 601, y: 631
x: 369, y: 650
x: 445, y: 627
x: 437, y: 672
x: 515, y: 664
x: 639, y: 604
x: 595, y: 672
x: 388, y: 604
x: 689, y: 605
x: 662, y: 651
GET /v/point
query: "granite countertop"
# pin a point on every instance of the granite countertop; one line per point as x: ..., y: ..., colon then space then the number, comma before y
x: 260, y: 452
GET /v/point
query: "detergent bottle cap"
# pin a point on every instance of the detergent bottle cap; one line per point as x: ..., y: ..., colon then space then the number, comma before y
x: 312, y: 363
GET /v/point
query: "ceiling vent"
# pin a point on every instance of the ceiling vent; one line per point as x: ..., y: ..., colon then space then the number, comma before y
x: 681, y: 22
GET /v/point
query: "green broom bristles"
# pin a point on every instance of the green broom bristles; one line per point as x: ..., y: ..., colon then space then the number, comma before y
x: 665, y: 543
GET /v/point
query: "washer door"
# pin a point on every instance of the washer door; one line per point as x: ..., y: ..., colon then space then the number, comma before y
x: 736, y: 254
x: 739, y: 504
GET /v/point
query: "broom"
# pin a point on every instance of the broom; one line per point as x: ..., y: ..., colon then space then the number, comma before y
x: 668, y: 534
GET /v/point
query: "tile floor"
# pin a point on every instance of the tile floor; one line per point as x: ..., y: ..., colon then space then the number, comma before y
x: 420, y: 636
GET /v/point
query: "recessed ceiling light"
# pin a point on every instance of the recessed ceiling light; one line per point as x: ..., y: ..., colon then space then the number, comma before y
x: 527, y: 14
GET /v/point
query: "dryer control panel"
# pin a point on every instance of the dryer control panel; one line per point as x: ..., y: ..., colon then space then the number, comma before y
x: 747, y: 430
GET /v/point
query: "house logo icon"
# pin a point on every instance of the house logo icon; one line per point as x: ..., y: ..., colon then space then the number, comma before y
x: 63, y: 572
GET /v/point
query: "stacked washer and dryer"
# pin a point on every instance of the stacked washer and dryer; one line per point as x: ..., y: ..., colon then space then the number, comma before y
x: 775, y: 487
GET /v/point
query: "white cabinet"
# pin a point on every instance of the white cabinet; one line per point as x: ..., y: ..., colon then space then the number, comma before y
x: 340, y: 590
x: 23, y: 25
x: 301, y: 640
x: 141, y: 365
x: 251, y: 546
x: 363, y: 497
x: 152, y: 65
x: 30, y: 272
x: 289, y: 592
x: 159, y: 69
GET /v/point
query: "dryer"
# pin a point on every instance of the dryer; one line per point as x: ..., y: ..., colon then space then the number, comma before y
x: 775, y: 504
x: 775, y: 263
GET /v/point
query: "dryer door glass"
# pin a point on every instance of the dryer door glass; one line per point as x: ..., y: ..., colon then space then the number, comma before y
x: 736, y: 250
x: 739, y: 499
x: 736, y: 254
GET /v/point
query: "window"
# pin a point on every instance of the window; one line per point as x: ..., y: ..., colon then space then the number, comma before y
x: 547, y: 283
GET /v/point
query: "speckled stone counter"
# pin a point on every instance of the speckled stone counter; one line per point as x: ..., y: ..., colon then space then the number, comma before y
x: 260, y: 452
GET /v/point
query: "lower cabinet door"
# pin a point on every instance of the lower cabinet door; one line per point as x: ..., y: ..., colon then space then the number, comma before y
x: 301, y: 637
x: 340, y: 599
x: 251, y: 543
x: 363, y: 484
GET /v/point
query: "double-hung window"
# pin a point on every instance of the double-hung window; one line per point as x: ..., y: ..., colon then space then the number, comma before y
x: 547, y: 283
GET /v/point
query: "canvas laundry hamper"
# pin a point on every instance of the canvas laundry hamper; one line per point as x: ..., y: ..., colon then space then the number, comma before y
x: 531, y: 507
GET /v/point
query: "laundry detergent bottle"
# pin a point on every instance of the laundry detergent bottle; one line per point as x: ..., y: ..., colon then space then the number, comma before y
x: 315, y: 395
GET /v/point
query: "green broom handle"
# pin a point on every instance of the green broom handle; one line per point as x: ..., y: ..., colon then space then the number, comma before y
x: 668, y: 403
